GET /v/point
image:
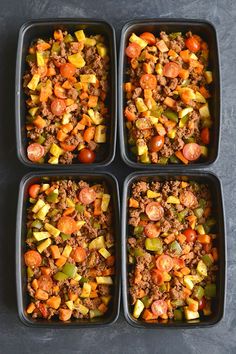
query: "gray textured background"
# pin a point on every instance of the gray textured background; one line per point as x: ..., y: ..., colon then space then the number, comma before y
x: 120, y: 338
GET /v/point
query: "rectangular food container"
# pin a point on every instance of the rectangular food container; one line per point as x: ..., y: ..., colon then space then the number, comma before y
x: 208, y: 32
x: 216, y: 190
x: 21, y: 283
x: 44, y: 28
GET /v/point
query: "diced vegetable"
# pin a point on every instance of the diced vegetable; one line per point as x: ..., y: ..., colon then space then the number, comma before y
x: 52, y: 230
x: 138, y: 308
x: 104, y: 280
x: 44, y: 245
x: 210, y: 290
x: 97, y: 243
x: 153, y: 244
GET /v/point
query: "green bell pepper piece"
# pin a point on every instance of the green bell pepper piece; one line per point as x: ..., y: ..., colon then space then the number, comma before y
x: 181, y: 215
x: 83, y: 280
x: 198, y: 292
x: 134, y: 150
x: 96, y: 225
x: 95, y: 313
x: 29, y: 233
x: 30, y: 272
x: 178, y: 315
x: 171, y: 115
x: 138, y: 252
x: 207, y: 260
x: 79, y: 207
x: 56, y: 48
x: 175, y: 247
x: 211, y: 222
x: 146, y: 301
x: 174, y: 35
x: 210, y: 290
x: 31, y: 58
x: 163, y: 160
x: 143, y: 217
x: 40, y: 140
x: 37, y: 224
x: 138, y: 230
x: 68, y: 38
x: 59, y: 276
x: 53, y: 213
x: 162, y: 288
x: 154, y: 244
x: 69, y: 269
x: 174, y: 159
x: 52, y: 197
x: 202, y: 203
x: 177, y: 303
x: 183, y: 121
x: 189, y: 140
x: 198, y: 212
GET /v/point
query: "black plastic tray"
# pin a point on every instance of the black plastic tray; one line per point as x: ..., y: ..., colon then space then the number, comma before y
x: 216, y: 189
x: 207, y: 31
x: 21, y: 283
x: 44, y: 28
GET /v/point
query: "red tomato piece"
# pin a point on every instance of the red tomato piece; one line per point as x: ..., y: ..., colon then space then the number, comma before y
x: 35, y: 152
x: 154, y: 211
x: 32, y: 259
x: 133, y: 50
x: 86, y: 156
x: 58, y: 106
x: 193, y: 44
x: 188, y: 199
x: 148, y: 37
x: 43, y: 309
x: 190, y: 235
x: 171, y: 70
x: 45, y: 282
x: 157, y: 277
x: 34, y: 190
x: 192, y: 151
x: 159, y: 307
x: 67, y: 70
x: 164, y: 263
x: 151, y: 230
x: 156, y: 143
x: 205, y: 136
x: 148, y: 81
x: 59, y: 91
x: 67, y: 225
x: 202, y: 303
x: 87, y: 195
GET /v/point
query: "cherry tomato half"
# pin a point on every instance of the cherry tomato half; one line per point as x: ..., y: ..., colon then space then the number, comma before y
x: 34, y: 190
x: 35, y: 152
x: 59, y: 91
x: 151, y: 230
x: 32, y: 259
x: 159, y: 307
x: 148, y: 81
x: 154, y: 211
x: 157, y: 277
x: 190, y: 235
x: 201, y: 304
x: 205, y: 136
x: 156, y: 143
x: 67, y: 70
x: 164, y: 263
x: 193, y: 44
x: 192, y: 151
x: 87, y: 195
x: 45, y: 282
x: 148, y: 37
x: 86, y: 156
x: 171, y: 70
x: 133, y: 50
x: 58, y: 106
x: 188, y: 199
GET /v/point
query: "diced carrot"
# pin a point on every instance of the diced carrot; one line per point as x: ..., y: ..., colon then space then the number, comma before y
x: 181, y: 157
x: 67, y: 147
x: 68, y: 211
x: 140, y: 294
x: 128, y: 87
x: 45, y: 270
x: 73, y: 282
x: 148, y: 315
x: 181, y: 238
x: 184, y: 74
x: 61, y: 261
x: 207, y: 212
x: 51, y: 189
x: 58, y: 35
x: 103, y: 308
x: 31, y: 308
x: 192, y: 219
x: 78, y: 126
x: 133, y: 203
x: 39, y: 122
x: 51, y: 71
x: 93, y: 273
x: 185, y: 55
x: 169, y: 125
x: 84, y: 86
x: 172, y: 53
x: 41, y: 294
x: 146, y: 114
x: 97, y: 84
x: 110, y: 261
x: 185, y: 271
x: 83, y: 96
x: 61, y: 136
x: 89, y: 134
x: 169, y: 102
x: 169, y: 239
x: 86, y: 120
x: 64, y: 314
x: 66, y: 128
x: 43, y: 46
x: 160, y: 129
x: 67, y: 85
x: 34, y: 284
x: 87, y: 214
x: 147, y: 68
x: 186, y: 292
x: 193, y: 306
x: 205, y: 93
x: 54, y: 302
x: 134, y: 63
x: 55, y: 251
x: 29, y: 127
x: 204, y: 238
x: 93, y: 294
x: 108, y: 271
x: 69, y: 102
x: 215, y: 254
x: 55, y: 289
x: 130, y: 116
x: 73, y: 79
x: 207, y: 247
x: 72, y: 296
x: 178, y: 274
x: 93, y: 285
x: 164, y: 316
x: 97, y: 207
x: 93, y: 101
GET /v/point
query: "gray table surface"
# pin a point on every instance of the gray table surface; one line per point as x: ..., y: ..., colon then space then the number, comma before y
x: 120, y: 337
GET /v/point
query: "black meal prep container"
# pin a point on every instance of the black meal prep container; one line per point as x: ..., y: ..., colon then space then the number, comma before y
x: 207, y: 31
x: 219, y: 303
x: 23, y: 298
x: 44, y: 29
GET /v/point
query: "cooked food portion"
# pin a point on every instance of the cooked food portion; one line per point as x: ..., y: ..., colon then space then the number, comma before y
x: 167, y: 91
x: 171, y: 250
x: 70, y: 250
x: 66, y: 85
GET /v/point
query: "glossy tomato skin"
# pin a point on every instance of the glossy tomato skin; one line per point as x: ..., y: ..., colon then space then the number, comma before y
x: 192, y: 151
x: 156, y: 143
x: 35, y: 152
x: 151, y: 230
x: 159, y: 307
x: 202, y: 303
x: 188, y: 199
x: 164, y: 263
x: 59, y: 91
x: 148, y: 37
x: 133, y: 50
x: 154, y: 211
x: 205, y: 136
x: 58, y: 106
x: 148, y: 81
x: 190, y: 235
x: 87, y: 195
x: 34, y: 190
x: 67, y: 70
x: 193, y: 44
x: 157, y: 277
x: 86, y: 156
x: 171, y: 70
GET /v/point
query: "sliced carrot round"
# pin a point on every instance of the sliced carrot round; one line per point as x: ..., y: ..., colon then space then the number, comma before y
x: 32, y: 259
x: 148, y: 81
x: 133, y: 50
x: 67, y: 225
x: 87, y: 195
x: 79, y: 254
